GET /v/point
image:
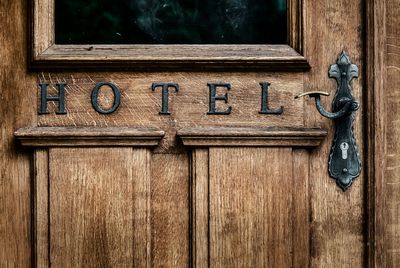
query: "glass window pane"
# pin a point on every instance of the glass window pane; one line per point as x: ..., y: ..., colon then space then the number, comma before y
x: 171, y: 22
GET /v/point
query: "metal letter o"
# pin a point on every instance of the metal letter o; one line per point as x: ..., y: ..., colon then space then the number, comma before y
x: 117, y: 97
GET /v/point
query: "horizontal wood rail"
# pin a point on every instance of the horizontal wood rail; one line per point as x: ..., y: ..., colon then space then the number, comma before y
x: 171, y: 57
x: 241, y: 136
x: 88, y: 136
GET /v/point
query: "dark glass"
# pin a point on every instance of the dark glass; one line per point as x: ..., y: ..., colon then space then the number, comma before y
x: 171, y: 22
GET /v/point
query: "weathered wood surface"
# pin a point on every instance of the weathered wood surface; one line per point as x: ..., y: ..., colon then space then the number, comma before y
x: 42, y: 28
x: 200, y: 208
x: 170, y: 210
x: 250, y: 207
x: 162, y: 57
x: 88, y: 136
x: 140, y: 106
x: 16, y: 110
x: 251, y: 137
x: 376, y: 130
x: 391, y: 177
x: 337, y: 218
x: 164, y: 52
x: 41, y: 208
x: 301, y: 209
x: 265, y: 226
x: 100, y: 200
x: 99, y: 207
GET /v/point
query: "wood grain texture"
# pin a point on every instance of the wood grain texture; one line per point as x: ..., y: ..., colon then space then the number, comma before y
x: 376, y: 119
x: 140, y: 106
x: 200, y: 208
x: 170, y: 210
x: 41, y: 211
x: 42, y: 27
x: 238, y: 167
x: 337, y: 218
x: 88, y: 136
x: 171, y: 58
x: 391, y: 178
x: 296, y: 24
x: 251, y: 137
x: 99, y: 207
x: 251, y: 207
x: 141, y: 228
x: 301, y: 209
x: 16, y: 110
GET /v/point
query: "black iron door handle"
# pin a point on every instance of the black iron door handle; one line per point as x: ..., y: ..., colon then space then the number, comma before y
x: 344, y: 160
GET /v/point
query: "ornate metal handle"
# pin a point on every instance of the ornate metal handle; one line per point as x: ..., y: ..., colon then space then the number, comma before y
x: 344, y: 160
x: 348, y: 105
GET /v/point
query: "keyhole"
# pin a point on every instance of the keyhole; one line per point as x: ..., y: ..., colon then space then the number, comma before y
x: 344, y: 146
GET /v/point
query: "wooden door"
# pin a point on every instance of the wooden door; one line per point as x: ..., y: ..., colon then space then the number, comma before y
x: 102, y: 168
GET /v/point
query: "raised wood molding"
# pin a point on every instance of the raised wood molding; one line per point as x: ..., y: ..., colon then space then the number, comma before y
x: 88, y: 136
x: 251, y: 233
x: 236, y: 136
x: 376, y: 132
x: 67, y: 201
x: 171, y: 57
x: 46, y: 55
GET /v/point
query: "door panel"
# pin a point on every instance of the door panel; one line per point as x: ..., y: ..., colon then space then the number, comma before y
x: 96, y: 213
x: 103, y: 203
x: 93, y: 207
x: 169, y: 210
x: 250, y: 201
x: 251, y: 207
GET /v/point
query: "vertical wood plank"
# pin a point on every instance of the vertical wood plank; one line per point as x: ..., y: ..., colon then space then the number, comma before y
x: 251, y: 207
x: 17, y: 90
x: 141, y: 169
x: 301, y: 209
x: 200, y: 208
x: 170, y: 210
x: 44, y: 34
x: 41, y: 208
x: 338, y: 219
x: 391, y: 177
x: 92, y: 207
x: 375, y: 128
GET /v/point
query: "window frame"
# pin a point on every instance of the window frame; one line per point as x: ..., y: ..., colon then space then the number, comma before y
x: 45, y: 54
